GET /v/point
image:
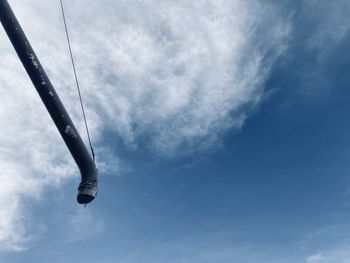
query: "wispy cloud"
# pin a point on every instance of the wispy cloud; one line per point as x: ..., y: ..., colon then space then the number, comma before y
x: 331, y: 23
x: 179, y: 74
x: 83, y: 224
x: 339, y: 255
x: 315, y: 258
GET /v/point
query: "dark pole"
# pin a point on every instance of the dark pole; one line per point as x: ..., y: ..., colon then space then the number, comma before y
x: 87, y: 189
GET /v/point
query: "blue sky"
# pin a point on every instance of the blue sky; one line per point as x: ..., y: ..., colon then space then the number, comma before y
x: 221, y: 130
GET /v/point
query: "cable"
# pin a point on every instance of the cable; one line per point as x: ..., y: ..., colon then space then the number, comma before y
x: 76, y: 79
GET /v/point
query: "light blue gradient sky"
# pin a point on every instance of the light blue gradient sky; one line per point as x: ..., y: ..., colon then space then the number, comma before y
x: 196, y: 165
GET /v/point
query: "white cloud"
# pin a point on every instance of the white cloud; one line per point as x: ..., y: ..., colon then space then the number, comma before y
x: 315, y: 258
x: 339, y: 255
x: 179, y: 73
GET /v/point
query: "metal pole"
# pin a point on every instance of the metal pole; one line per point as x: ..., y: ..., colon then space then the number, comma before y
x: 87, y: 189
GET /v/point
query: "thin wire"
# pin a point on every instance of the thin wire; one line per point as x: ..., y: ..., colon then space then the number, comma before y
x: 76, y: 79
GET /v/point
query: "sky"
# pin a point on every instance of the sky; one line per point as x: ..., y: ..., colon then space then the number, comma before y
x: 220, y: 127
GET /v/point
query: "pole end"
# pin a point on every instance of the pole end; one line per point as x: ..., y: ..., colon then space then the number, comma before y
x: 87, y: 192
